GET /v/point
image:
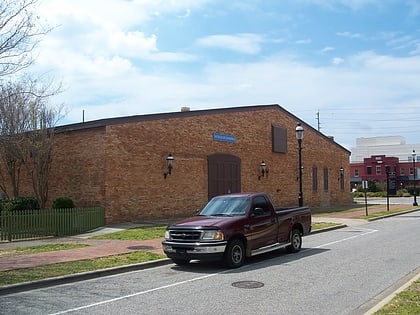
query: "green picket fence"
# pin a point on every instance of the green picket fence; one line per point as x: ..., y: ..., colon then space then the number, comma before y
x: 27, y: 224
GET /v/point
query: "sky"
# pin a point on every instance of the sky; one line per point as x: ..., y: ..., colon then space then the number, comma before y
x: 348, y: 67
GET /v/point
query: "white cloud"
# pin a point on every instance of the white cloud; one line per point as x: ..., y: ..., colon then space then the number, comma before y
x: 303, y: 41
x: 350, y: 35
x: 242, y: 43
x: 327, y: 49
x: 416, y: 51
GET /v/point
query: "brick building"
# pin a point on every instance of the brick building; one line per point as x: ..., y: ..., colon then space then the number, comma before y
x: 375, y: 168
x: 121, y: 163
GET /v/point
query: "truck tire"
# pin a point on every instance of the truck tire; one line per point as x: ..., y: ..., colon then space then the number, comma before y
x: 295, y: 241
x: 181, y: 262
x: 235, y: 254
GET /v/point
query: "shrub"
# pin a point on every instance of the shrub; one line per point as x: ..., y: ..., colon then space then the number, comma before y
x: 23, y: 203
x: 63, y: 203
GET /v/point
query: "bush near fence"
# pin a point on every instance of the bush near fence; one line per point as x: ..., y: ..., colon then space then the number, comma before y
x: 26, y: 224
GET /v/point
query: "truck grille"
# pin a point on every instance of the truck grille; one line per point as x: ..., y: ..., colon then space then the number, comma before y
x: 185, y: 235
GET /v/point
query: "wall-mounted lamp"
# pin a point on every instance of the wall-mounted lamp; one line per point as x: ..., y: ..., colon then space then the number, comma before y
x: 341, y: 179
x: 341, y: 173
x: 170, y: 165
x: 263, y: 170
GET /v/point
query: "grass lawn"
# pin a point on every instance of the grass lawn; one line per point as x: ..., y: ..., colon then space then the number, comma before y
x: 404, y: 303
x: 62, y: 269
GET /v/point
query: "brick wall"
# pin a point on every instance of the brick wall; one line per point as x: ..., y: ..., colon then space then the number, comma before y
x: 120, y: 166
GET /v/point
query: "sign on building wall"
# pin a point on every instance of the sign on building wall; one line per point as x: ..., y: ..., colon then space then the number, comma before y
x: 222, y: 137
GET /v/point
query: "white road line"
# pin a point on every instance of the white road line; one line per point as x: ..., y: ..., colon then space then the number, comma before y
x: 368, y: 231
x: 136, y: 294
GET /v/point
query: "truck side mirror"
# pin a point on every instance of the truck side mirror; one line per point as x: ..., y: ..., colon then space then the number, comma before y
x: 257, y: 212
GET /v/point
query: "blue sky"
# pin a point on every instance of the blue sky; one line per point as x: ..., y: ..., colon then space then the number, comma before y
x: 356, y: 62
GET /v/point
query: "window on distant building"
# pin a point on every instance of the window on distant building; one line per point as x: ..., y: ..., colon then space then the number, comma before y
x: 411, y: 171
x: 410, y: 158
x: 369, y: 170
x: 402, y: 172
x: 356, y: 172
x: 378, y: 169
x: 314, y: 178
x: 326, y: 178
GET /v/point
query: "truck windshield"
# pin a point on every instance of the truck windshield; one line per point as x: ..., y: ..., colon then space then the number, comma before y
x: 226, y: 206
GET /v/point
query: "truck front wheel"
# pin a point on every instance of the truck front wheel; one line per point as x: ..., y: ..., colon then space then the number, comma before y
x: 295, y: 241
x: 235, y: 254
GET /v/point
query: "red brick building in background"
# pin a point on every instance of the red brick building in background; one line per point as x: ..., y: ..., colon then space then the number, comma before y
x: 121, y: 163
x: 380, y: 168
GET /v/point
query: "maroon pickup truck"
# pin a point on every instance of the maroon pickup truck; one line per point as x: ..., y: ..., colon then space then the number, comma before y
x: 235, y: 226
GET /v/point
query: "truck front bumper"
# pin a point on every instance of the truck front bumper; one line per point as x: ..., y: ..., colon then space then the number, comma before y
x: 200, y: 251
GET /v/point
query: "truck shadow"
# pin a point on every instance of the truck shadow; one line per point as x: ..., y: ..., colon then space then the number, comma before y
x: 278, y: 257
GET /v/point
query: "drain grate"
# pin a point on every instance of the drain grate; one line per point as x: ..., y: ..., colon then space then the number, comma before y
x: 248, y: 284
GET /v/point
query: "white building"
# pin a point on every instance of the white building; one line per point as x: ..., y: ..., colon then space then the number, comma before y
x: 391, y: 146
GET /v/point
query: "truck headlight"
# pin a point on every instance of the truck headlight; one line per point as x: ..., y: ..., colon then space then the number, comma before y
x: 167, y: 235
x: 215, y: 235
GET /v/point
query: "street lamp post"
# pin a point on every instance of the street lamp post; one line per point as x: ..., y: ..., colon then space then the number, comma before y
x: 299, y: 137
x: 414, y: 178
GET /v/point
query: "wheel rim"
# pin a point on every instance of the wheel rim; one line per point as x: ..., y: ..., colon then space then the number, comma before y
x: 296, y: 241
x: 236, y: 254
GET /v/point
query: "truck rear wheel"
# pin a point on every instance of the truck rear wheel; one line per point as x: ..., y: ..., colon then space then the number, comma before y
x: 295, y: 241
x: 235, y: 254
x: 181, y: 262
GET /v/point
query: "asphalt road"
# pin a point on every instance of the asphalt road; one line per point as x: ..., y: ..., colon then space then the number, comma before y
x: 338, y: 272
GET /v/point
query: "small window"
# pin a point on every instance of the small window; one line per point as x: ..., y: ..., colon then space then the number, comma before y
x: 356, y: 172
x: 402, y: 171
x: 378, y: 169
x: 369, y: 170
x: 314, y: 178
x: 326, y: 179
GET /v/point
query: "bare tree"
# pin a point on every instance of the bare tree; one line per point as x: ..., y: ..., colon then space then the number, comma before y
x: 20, y: 32
x: 13, y: 125
x: 38, y: 146
x: 27, y: 135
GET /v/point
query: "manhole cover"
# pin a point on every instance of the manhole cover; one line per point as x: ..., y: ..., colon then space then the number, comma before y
x: 248, y: 284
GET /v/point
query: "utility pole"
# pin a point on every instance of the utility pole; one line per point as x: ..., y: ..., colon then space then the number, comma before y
x: 317, y: 118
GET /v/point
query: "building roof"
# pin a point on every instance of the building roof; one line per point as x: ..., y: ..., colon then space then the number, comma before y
x: 185, y: 112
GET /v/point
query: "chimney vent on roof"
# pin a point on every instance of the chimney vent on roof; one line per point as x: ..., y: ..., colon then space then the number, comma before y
x: 185, y: 109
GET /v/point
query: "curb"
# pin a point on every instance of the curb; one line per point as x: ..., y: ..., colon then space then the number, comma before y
x: 332, y: 228
x: 392, y: 215
x: 382, y: 299
x: 38, y: 284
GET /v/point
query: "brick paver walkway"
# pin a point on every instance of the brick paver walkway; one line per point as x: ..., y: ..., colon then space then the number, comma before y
x: 98, y: 248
